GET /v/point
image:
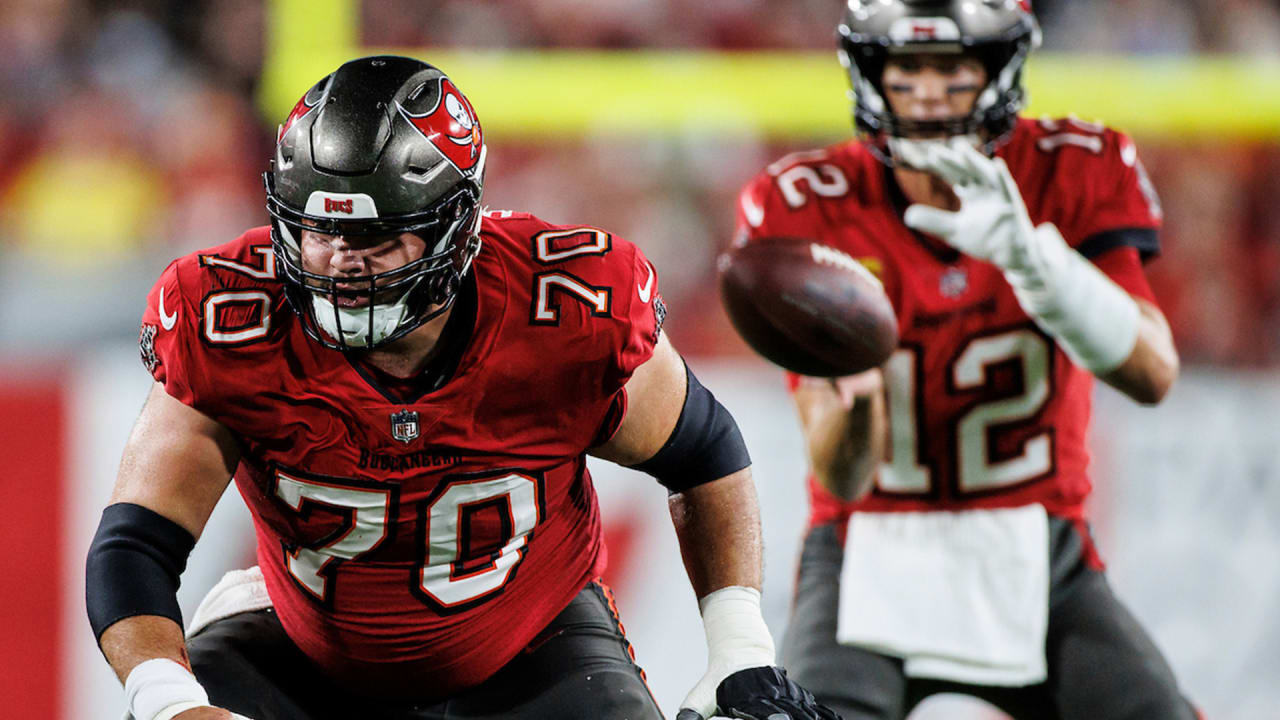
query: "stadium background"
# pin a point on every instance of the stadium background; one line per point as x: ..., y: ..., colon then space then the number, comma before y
x: 133, y: 131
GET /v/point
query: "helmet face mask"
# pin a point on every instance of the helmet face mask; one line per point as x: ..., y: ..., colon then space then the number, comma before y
x: 997, y: 33
x: 383, y: 146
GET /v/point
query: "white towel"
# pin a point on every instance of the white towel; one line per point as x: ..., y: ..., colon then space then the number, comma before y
x: 238, y: 591
x: 960, y: 596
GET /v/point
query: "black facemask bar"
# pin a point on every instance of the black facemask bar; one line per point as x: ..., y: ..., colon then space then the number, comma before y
x: 427, y: 285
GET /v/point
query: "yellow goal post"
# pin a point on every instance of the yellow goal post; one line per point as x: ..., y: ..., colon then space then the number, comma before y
x: 546, y: 94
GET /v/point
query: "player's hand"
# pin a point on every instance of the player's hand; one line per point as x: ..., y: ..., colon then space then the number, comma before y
x: 992, y: 223
x: 763, y: 693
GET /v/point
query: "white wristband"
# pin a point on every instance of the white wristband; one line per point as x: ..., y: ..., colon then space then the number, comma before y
x: 736, y: 632
x: 159, y: 689
x: 737, y: 638
x: 1094, y: 320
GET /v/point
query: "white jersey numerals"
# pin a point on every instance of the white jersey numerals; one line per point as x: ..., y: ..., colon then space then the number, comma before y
x: 265, y: 271
x: 547, y: 312
x: 516, y: 496
x: 1078, y: 133
x: 555, y: 246
x: 365, y: 528
x: 1073, y: 132
x: 908, y: 472
x: 255, y: 303
x: 976, y: 471
x: 444, y: 579
x: 824, y: 180
x: 904, y: 472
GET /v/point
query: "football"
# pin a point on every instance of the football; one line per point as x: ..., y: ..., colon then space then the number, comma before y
x: 807, y: 307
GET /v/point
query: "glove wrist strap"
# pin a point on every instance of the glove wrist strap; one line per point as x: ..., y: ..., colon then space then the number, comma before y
x: 1093, y: 319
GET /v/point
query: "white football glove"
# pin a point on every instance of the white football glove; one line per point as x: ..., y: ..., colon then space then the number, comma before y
x: 992, y: 223
x: 1093, y: 319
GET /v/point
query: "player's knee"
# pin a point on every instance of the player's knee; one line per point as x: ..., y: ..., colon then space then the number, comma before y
x: 619, y: 694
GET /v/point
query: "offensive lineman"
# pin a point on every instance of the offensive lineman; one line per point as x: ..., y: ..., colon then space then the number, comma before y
x: 405, y: 389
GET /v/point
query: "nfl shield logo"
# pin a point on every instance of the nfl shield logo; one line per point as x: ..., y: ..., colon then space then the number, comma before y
x: 954, y: 282
x: 404, y: 425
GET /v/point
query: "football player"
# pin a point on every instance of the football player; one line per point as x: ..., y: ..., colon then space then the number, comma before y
x: 948, y: 549
x: 405, y: 388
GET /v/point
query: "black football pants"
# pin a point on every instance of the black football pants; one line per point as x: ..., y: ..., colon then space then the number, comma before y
x: 1102, y: 665
x: 579, y: 667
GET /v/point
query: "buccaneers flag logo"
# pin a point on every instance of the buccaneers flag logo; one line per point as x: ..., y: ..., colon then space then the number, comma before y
x: 302, y: 108
x: 451, y: 126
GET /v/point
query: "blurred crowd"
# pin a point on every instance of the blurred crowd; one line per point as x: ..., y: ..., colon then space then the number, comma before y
x: 1123, y: 26
x: 129, y: 135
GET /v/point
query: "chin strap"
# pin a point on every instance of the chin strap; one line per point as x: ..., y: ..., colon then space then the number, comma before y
x: 353, y: 326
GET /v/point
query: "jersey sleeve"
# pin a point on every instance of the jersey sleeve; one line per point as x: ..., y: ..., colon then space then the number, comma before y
x: 168, y: 336
x: 170, y: 341
x: 600, y: 292
x: 599, y: 297
x: 641, y: 315
x: 1121, y: 207
x: 1124, y: 266
x: 763, y: 212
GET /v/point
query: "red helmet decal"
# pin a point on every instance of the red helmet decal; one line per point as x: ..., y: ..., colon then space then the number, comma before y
x: 451, y: 126
x: 302, y: 108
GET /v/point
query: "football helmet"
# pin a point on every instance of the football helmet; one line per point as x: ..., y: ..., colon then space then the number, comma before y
x: 998, y: 33
x: 383, y: 145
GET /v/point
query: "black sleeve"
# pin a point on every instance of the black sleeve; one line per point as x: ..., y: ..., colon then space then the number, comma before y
x: 134, y: 563
x: 1146, y: 240
x: 705, y: 445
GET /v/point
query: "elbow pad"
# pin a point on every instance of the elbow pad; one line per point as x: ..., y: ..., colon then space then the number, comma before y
x: 705, y: 445
x: 134, y: 565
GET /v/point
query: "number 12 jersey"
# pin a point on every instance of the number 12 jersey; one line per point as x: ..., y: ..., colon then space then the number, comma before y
x: 985, y: 410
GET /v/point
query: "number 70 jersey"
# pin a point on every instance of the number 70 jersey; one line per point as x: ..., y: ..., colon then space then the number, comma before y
x: 414, y: 539
x: 985, y: 410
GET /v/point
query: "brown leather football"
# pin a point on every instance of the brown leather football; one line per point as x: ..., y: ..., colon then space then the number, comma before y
x: 807, y: 307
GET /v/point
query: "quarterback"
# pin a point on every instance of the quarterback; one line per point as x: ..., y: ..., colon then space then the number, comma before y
x: 404, y: 388
x: 948, y: 549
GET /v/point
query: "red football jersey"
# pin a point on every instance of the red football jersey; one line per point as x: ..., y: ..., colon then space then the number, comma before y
x: 412, y: 546
x: 985, y: 410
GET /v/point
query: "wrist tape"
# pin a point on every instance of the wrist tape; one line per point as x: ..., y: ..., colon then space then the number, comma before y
x: 737, y: 635
x: 1093, y: 319
x: 161, y: 688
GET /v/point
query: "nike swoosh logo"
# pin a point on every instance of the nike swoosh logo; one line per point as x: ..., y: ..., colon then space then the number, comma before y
x: 647, y: 288
x: 753, y: 212
x: 167, y: 321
